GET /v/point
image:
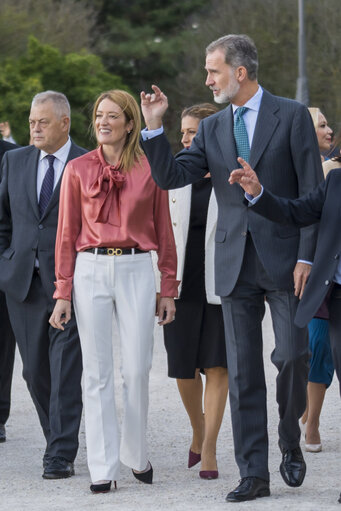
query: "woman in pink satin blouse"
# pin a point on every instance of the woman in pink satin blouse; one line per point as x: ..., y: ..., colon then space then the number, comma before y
x: 111, y: 215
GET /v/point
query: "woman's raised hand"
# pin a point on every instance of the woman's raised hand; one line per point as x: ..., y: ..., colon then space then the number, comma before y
x: 153, y: 107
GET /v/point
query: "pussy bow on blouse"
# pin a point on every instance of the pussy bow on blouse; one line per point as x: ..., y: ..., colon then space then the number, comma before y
x: 100, y: 206
x: 106, y: 188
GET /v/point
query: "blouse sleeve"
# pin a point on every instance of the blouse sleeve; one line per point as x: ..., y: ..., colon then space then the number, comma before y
x: 167, y: 259
x: 69, y: 226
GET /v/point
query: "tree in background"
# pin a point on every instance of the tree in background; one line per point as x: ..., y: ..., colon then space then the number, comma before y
x: 81, y: 76
x: 145, y: 42
x: 273, y: 24
x: 66, y: 24
x: 163, y: 42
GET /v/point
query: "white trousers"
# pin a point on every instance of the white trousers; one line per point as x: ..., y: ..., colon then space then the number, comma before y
x: 125, y: 286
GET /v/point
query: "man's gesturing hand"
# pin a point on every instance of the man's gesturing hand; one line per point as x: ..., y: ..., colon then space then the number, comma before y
x: 247, y: 178
x: 153, y: 107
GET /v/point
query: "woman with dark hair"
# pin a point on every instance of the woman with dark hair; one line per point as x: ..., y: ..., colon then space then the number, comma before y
x: 111, y: 216
x: 195, y: 341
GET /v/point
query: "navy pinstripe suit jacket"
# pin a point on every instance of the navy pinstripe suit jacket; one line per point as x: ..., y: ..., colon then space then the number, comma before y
x: 286, y: 157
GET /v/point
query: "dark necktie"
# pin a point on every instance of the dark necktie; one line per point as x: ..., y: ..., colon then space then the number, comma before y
x: 240, y: 134
x: 47, y: 185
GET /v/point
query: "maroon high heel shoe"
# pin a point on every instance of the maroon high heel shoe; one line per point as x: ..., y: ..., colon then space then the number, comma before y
x: 209, y: 474
x: 193, y: 458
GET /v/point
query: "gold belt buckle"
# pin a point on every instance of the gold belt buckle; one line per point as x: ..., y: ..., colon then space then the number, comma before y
x: 114, y: 251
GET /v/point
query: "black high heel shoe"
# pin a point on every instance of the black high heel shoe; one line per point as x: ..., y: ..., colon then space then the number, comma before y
x: 102, y: 487
x: 145, y: 477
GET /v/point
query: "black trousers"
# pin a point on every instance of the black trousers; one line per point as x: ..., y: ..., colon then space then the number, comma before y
x: 52, y: 369
x: 7, y: 350
x: 243, y: 313
x: 335, y: 329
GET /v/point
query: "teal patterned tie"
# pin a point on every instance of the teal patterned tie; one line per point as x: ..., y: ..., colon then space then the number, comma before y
x: 240, y: 134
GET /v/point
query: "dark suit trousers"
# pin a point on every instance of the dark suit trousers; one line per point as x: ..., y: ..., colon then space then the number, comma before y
x: 243, y: 314
x: 7, y: 350
x: 52, y: 369
x: 335, y: 329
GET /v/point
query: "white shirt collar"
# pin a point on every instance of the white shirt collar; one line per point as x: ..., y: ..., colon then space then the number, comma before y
x: 61, y: 154
x: 254, y: 102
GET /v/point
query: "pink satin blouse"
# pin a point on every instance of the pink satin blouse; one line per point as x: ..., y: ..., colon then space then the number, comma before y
x: 101, y: 207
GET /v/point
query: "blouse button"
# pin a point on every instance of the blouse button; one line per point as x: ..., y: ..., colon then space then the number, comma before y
x: 173, y: 200
x: 174, y: 223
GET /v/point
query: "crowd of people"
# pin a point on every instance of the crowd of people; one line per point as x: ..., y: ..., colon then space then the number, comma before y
x: 86, y: 236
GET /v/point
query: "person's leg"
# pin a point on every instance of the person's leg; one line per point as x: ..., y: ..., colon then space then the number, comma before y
x: 182, y: 342
x: 191, y: 392
x: 93, y: 303
x: 319, y: 378
x: 335, y: 329
x: 7, y: 350
x: 315, y: 396
x: 243, y: 313
x: 66, y: 392
x: 30, y: 321
x: 216, y: 389
x: 290, y: 356
x: 135, y: 313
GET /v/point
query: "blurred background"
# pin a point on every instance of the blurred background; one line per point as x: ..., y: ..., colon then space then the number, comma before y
x: 82, y: 48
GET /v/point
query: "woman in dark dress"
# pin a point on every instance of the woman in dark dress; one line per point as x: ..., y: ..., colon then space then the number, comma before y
x: 195, y: 341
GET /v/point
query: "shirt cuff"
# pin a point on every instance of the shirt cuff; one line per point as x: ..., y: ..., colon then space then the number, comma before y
x: 169, y: 287
x: 9, y: 139
x: 252, y: 199
x: 305, y: 262
x: 63, y: 290
x: 147, y: 134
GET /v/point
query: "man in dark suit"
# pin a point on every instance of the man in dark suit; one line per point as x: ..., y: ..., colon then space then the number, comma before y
x: 320, y: 205
x: 253, y: 257
x: 7, y: 343
x: 29, y: 196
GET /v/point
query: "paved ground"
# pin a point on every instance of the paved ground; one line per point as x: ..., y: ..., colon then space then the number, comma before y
x: 175, y: 487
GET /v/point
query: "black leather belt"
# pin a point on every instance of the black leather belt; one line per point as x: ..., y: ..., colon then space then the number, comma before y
x: 115, y: 251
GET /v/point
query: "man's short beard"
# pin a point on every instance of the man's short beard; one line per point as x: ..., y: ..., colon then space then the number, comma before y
x: 229, y: 93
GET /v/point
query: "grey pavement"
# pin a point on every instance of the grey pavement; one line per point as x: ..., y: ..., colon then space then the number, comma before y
x: 175, y: 487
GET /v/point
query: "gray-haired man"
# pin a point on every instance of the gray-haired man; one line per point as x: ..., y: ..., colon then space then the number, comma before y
x: 29, y: 196
x: 253, y: 257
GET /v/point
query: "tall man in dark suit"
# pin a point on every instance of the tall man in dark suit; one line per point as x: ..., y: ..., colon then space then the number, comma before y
x: 253, y: 257
x: 29, y: 196
x: 7, y: 342
x: 320, y: 205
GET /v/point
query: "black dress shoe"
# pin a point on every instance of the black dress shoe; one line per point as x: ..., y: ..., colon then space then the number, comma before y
x: 145, y: 477
x: 2, y: 433
x: 249, y: 488
x: 293, y: 467
x: 58, y: 468
x: 46, y: 460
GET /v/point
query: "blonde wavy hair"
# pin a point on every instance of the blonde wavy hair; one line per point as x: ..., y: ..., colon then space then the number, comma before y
x: 132, y: 150
x: 314, y: 112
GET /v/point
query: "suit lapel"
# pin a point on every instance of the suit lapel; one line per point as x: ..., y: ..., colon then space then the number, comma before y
x: 266, y: 125
x: 224, y: 133
x: 30, y: 169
